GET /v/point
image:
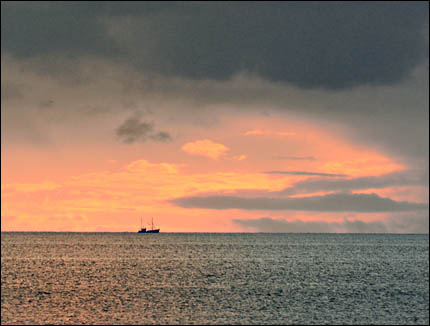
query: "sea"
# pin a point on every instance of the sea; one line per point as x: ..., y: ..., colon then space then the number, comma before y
x: 214, y: 278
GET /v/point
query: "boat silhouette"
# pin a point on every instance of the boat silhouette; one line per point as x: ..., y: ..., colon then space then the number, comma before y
x: 144, y: 230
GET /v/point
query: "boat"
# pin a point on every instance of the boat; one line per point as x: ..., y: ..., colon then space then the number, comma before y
x: 144, y: 230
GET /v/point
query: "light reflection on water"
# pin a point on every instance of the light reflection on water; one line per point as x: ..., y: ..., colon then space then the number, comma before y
x: 127, y: 278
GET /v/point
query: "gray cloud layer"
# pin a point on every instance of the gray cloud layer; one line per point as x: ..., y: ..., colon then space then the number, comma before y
x: 314, y: 44
x: 395, y: 224
x: 339, y: 202
x: 404, y: 178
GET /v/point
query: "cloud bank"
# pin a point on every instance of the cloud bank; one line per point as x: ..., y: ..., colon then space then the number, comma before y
x: 411, y: 223
x: 403, y: 178
x: 339, y: 202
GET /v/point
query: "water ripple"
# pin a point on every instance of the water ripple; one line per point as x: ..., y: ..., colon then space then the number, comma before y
x: 124, y: 278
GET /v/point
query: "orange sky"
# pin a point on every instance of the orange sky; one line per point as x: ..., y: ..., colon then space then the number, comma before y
x: 74, y: 190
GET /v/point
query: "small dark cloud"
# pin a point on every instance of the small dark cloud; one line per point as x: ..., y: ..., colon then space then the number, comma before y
x: 134, y: 130
x: 338, y: 202
x: 305, y: 173
x: 295, y: 158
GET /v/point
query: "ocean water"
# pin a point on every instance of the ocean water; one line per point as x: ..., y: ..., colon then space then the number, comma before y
x: 130, y: 278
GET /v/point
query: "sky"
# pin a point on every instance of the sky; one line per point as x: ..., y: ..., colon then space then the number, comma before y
x: 215, y: 116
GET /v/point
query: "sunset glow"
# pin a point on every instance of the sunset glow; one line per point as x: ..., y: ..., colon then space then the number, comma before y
x: 98, y: 141
x: 116, y: 196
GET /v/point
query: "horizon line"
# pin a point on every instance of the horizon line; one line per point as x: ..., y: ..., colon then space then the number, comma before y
x: 206, y: 232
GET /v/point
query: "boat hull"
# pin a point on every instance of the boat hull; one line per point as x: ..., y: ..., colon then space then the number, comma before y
x: 149, y: 231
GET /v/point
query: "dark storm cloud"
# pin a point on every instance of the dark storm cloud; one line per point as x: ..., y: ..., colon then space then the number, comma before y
x: 339, y: 202
x: 313, y: 44
x: 397, y: 179
x: 134, y: 130
x: 305, y: 173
